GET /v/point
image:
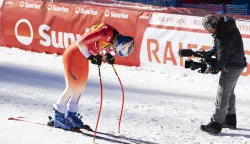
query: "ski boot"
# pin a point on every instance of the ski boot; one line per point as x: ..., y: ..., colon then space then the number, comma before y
x: 61, y: 122
x: 75, y: 119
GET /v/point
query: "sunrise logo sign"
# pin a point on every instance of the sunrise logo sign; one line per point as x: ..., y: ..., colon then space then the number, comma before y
x: 26, y: 40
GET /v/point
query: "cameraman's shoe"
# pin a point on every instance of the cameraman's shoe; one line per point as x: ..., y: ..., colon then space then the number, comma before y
x: 212, y: 128
x: 230, y: 121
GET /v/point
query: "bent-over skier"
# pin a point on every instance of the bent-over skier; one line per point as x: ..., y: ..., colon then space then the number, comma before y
x: 99, y: 38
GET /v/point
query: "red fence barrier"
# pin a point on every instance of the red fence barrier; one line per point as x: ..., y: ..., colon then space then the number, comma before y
x: 50, y: 27
x: 44, y: 26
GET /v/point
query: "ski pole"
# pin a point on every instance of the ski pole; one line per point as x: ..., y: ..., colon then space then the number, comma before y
x: 101, y: 95
x: 122, y: 98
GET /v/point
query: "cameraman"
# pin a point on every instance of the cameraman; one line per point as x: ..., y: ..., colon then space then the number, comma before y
x: 228, y: 47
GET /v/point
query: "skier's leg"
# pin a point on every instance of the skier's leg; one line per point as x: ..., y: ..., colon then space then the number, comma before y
x: 70, y: 73
x: 77, y: 78
x: 72, y: 111
x: 61, y: 103
x: 72, y: 105
x: 79, y: 84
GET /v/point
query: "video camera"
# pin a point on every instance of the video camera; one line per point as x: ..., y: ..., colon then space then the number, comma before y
x: 203, y: 56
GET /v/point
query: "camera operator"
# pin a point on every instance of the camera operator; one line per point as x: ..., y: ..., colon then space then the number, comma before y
x: 228, y: 47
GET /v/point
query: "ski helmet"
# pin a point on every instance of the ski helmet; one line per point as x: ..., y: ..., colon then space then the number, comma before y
x: 124, y: 45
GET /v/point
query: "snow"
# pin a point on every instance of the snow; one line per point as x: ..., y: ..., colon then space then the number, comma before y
x: 160, y: 107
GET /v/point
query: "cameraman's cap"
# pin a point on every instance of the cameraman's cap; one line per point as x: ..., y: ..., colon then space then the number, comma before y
x: 209, y: 22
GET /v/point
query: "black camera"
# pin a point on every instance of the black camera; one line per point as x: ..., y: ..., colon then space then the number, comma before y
x: 204, y: 59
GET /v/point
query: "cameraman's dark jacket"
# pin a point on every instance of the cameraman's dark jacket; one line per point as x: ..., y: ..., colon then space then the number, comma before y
x: 229, y: 45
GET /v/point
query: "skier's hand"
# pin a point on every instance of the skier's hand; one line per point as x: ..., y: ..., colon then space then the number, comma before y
x: 97, y: 60
x: 109, y: 58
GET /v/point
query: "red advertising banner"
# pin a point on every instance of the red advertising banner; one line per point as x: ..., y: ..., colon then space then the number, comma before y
x: 50, y: 27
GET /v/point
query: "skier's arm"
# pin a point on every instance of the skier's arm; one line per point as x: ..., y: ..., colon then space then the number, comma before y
x: 83, y: 49
x: 89, y: 38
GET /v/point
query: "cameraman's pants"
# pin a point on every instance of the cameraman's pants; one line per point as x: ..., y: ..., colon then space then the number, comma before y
x: 225, y: 99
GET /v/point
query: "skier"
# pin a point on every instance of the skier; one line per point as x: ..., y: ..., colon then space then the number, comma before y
x: 99, y: 38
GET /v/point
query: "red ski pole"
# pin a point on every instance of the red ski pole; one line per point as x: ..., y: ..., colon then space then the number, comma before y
x: 99, y: 70
x: 122, y: 99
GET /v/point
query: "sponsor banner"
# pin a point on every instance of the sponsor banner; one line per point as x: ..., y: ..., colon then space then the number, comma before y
x: 244, y: 27
x: 176, y: 20
x: 125, y: 21
x: 1, y: 37
x: 30, y: 5
x: 160, y: 48
x: 191, y: 22
x: 143, y: 23
x: 22, y: 24
x: 51, y: 27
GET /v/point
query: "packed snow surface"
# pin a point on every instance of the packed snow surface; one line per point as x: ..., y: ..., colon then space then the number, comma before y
x: 160, y: 107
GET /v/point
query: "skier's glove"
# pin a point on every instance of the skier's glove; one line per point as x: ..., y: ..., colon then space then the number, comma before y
x: 97, y: 60
x: 109, y: 58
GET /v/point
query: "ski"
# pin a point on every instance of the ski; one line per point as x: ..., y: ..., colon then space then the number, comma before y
x: 84, y: 131
x: 85, y: 127
x: 88, y: 129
